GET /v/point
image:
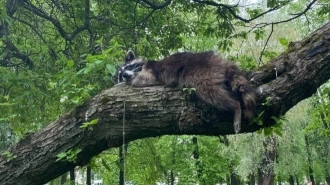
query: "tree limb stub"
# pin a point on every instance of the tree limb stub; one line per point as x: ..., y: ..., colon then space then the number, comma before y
x: 157, y: 111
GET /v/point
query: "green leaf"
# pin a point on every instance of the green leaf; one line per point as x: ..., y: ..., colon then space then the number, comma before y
x: 76, y: 151
x: 259, y: 33
x: 61, y: 156
x: 6, y: 104
x: 98, y: 61
x: 93, y: 122
x: 89, y: 124
x: 106, y: 166
x: 119, y: 164
x: 278, y: 132
x: 107, y: 78
x: 284, y: 41
x: 84, y: 125
x: 88, y: 69
x: 70, y: 63
x: 80, y: 71
x: 111, y: 69
x: 99, y: 41
x: 268, y: 131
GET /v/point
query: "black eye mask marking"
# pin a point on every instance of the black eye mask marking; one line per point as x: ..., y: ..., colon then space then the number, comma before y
x: 137, y: 67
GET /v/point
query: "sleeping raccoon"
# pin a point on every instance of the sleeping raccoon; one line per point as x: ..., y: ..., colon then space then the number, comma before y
x: 217, y: 82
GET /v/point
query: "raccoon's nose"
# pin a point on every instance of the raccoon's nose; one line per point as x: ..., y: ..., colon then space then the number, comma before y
x: 128, y: 74
x: 125, y: 75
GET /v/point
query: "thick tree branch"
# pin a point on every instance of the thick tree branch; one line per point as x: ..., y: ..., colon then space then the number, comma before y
x: 157, y: 111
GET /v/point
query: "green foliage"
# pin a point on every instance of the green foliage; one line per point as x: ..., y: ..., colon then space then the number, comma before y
x: 8, y: 155
x: 284, y: 42
x: 270, y: 54
x: 245, y: 62
x: 277, y: 128
x: 267, y: 102
x: 258, y: 118
x: 107, y: 166
x: 70, y: 155
x: 324, y: 11
x: 275, y: 3
x: 259, y: 33
x: 90, y: 124
x: 253, y: 12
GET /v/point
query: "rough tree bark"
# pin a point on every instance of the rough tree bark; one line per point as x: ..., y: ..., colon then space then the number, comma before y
x: 155, y: 111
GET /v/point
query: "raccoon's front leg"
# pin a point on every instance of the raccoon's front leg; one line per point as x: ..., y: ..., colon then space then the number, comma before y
x: 141, y: 79
x: 237, y: 118
x: 144, y: 80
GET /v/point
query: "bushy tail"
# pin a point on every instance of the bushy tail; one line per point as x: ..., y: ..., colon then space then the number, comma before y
x: 246, y: 93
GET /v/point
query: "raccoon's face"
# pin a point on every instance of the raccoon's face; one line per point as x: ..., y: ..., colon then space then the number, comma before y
x: 130, y: 68
x: 128, y: 71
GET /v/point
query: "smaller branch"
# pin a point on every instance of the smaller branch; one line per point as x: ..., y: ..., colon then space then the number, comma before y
x: 157, y: 6
x: 308, y: 23
x: 309, y: 6
x: 31, y: 26
x: 263, y: 50
x: 42, y: 14
x: 57, y: 24
x: 11, y: 7
x: 146, y: 17
x: 230, y: 9
x: 87, y: 14
x: 16, y: 53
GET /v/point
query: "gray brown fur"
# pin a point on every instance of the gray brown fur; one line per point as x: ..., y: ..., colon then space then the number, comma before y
x: 217, y: 82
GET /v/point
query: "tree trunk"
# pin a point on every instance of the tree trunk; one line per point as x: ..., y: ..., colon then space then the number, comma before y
x: 156, y: 111
x: 198, y: 165
x: 89, y: 175
x: 325, y: 150
x: 72, y: 176
x: 64, y: 178
x: 266, y: 170
x: 309, y: 161
x: 252, y: 180
x: 234, y: 180
x: 172, y: 178
x: 122, y: 151
x: 291, y: 180
x: 233, y: 177
x: 327, y: 179
x: 297, y: 180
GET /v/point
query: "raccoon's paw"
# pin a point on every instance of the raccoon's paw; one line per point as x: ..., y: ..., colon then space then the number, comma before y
x: 120, y: 84
x: 237, y: 127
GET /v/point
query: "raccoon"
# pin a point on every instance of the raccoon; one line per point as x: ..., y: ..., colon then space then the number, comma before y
x: 217, y: 82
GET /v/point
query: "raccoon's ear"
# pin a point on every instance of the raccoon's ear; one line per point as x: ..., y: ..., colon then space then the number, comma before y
x: 129, y: 56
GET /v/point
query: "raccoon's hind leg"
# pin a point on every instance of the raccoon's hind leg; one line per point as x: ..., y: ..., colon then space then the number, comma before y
x: 242, y: 88
x: 236, y: 107
x: 222, y: 99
